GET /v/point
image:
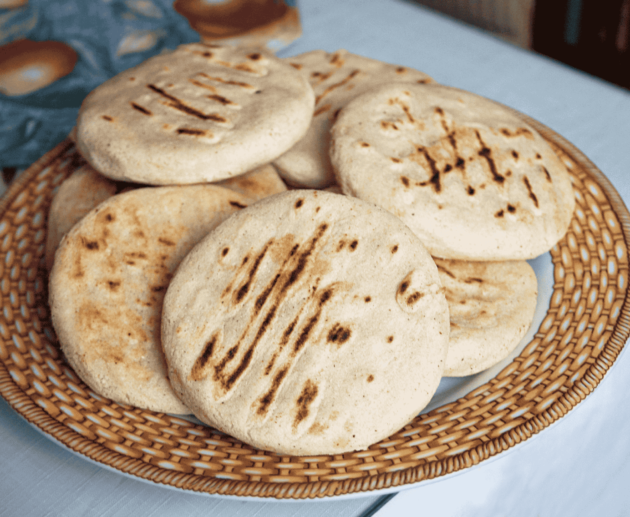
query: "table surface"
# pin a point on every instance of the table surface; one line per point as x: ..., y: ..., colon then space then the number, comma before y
x: 578, y: 466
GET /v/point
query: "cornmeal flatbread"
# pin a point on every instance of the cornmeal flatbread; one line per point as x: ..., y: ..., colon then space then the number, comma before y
x: 84, y: 189
x: 201, y: 113
x: 491, y: 307
x: 308, y: 323
x: 467, y: 175
x: 336, y: 79
x: 108, y: 283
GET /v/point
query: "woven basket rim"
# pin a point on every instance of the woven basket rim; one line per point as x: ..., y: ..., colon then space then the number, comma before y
x: 365, y: 486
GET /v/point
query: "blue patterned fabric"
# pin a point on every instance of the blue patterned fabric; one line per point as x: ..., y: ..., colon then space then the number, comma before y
x: 109, y: 36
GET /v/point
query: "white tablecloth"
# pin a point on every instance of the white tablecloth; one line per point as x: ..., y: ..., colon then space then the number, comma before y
x: 578, y: 467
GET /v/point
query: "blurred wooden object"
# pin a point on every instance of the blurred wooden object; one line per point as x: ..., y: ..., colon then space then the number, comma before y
x: 591, y: 35
x: 510, y: 19
x: 587, y: 34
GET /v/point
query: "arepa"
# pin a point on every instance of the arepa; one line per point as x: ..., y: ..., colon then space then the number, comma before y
x: 108, y: 283
x: 308, y: 323
x: 491, y: 307
x: 82, y: 191
x: 467, y: 175
x: 198, y: 114
x: 336, y: 78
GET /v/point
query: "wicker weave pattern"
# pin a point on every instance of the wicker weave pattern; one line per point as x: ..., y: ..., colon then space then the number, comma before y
x: 584, y: 331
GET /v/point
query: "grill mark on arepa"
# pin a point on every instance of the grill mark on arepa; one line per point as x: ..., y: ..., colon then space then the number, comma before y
x: 336, y: 60
x: 90, y: 245
x: 306, y: 398
x: 386, y: 124
x: 486, y: 152
x: 286, y: 334
x: 339, y: 334
x: 320, y: 76
x: 227, y: 81
x: 191, y: 131
x: 407, y: 111
x: 518, y: 132
x: 295, y: 274
x: 262, y: 297
x: 283, y: 341
x: 449, y: 134
x: 530, y: 190
x: 413, y: 298
x: 222, y: 100
x: 265, y: 401
x: 332, y: 87
x: 179, y: 105
x: 547, y: 174
x: 307, y: 329
x: 198, y: 370
x: 244, y: 289
x: 322, y: 109
x: 202, y: 85
x: 445, y: 271
x: 243, y: 67
x: 236, y: 204
x: 247, y: 357
x: 435, y: 173
x: 139, y: 108
x: 204, y: 53
x: 226, y: 380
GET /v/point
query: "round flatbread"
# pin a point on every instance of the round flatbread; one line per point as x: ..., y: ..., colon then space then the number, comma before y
x: 84, y: 189
x: 336, y: 79
x: 199, y: 114
x: 491, y: 307
x: 309, y: 323
x: 108, y: 283
x: 467, y: 175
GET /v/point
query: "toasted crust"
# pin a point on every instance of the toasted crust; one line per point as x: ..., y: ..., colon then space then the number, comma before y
x: 80, y: 193
x: 108, y: 282
x: 199, y: 114
x: 491, y: 307
x: 467, y: 175
x: 257, y: 184
x: 336, y: 79
x: 308, y: 323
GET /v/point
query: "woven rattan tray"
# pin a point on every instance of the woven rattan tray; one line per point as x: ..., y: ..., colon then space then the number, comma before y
x: 581, y: 335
